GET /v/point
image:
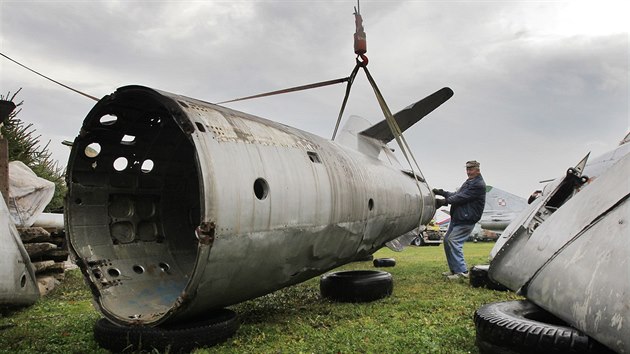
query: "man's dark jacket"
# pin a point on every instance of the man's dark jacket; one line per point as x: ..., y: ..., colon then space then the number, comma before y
x: 468, y: 202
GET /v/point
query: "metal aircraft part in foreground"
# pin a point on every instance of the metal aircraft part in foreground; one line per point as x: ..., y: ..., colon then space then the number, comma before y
x: 177, y: 206
x: 568, y: 252
x: 18, y: 285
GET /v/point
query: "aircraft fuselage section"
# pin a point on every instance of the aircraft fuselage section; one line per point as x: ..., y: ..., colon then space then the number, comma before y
x: 177, y: 206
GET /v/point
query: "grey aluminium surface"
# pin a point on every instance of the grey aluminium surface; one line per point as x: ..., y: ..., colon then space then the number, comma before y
x: 576, y: 264
x: 18, y: 285
x: 177, y: 206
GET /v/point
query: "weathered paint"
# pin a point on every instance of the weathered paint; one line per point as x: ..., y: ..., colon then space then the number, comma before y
x: 576, y: 264
x: 215, y: 206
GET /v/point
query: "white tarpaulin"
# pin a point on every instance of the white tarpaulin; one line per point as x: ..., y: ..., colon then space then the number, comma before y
x: 28, y: 194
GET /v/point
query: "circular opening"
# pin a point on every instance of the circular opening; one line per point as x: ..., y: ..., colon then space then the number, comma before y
x: 108, y: 119
x: 261, y: 188
x: 23, y: 281
x: 200, y: 127
x: 138, y: 269
x: 78, y: 201
x: 147, y: 166
x: 370, y: 204
x: 92, y: 150
x: 113, y: 272
x: 164, y: 266
x: 120, y: 164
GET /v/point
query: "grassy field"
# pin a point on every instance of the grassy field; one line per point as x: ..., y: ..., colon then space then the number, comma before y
x: 425, y: 314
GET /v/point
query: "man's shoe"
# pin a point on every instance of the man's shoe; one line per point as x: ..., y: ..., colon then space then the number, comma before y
x: 458, y: 276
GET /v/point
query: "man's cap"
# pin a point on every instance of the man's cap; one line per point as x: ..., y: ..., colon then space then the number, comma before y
x: 472, y: 163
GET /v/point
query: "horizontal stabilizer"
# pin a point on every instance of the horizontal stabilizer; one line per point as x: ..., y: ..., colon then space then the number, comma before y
x: 409, y: 116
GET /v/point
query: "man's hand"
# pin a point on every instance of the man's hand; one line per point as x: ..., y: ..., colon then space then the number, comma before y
x: 438, y: 191
x: 439, y: 202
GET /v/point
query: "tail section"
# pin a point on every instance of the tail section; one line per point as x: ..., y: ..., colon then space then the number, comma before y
x: 409, y: 116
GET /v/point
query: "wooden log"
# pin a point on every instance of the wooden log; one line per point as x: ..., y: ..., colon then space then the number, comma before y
x: 36, y: 250
x: 34, y: 235
x: 57, y: 255
x: 41, y: 266
x: 53, y: 268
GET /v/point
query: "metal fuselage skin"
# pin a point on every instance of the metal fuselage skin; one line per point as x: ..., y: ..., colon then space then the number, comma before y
x: 571, y: 255
x: 177, y: 206
x: 18, y: 285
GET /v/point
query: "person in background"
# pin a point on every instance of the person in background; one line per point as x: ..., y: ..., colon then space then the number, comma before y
x: 466, y: 208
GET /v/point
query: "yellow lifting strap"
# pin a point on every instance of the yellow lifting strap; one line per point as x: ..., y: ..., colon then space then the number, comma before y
x: 397, y: 133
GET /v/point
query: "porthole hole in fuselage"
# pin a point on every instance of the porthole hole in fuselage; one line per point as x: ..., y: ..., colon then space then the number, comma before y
x: 200, y: 127
x: 261, y: 188
x: 147, y: 166
x: 92, y: 150
x: 371, y: 204
x: 164, y: 266
x: 108, y: 119
x: 120, y: 164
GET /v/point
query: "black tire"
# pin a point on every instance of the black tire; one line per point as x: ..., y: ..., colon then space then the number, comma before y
x: 176, y: 338
x: 356, y: 285
x: 478, y: 276
x: 521, y: 327
x: 384, y: 262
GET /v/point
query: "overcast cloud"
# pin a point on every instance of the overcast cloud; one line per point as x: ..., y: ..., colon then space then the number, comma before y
x: 537, y: 84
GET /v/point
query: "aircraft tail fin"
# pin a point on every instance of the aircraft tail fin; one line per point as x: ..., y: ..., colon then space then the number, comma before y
x: 409, y: 116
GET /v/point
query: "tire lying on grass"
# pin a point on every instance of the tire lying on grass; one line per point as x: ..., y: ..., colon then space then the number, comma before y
x: 384, y: 262
x: 512, y: 327
x: 478, y: 276
x: 356, y: 285
x: 181, y: 337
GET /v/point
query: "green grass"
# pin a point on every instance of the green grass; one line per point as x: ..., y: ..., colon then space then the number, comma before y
x: 425, y: 314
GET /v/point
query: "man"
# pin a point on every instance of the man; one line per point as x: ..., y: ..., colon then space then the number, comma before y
x: 466, y: 208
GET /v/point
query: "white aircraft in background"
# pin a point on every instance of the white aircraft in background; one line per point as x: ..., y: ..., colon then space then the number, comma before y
x: 501, y: 208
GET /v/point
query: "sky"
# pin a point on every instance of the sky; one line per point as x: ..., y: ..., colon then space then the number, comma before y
x: 538, y: 84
